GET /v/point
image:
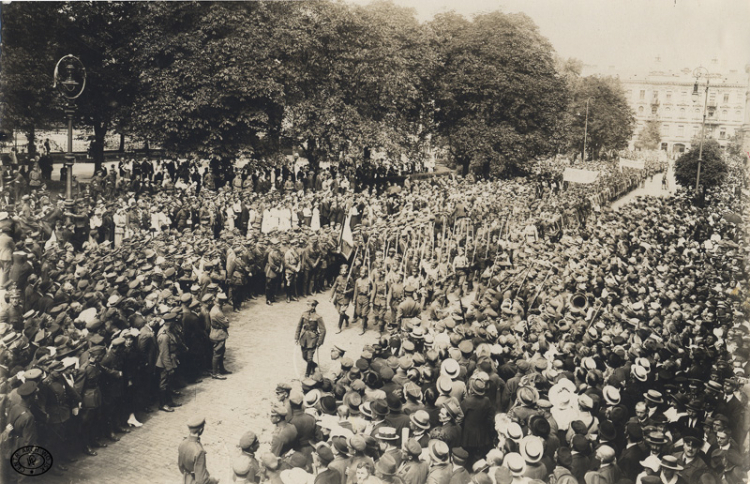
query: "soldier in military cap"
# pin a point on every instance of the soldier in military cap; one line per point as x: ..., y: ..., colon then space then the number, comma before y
x: 21, y: 426
x: 88, y: 385
x: 191, y: 457
x: 408, y: 308
x: 167, y: 362
x: 310, y: 334
x: 379, y: 299
x: 341, y: 294
x: 218, y: 336
x: 245, y: 466
x: 292, y: 267
x: 285, y: 434
x: 274, y: 271
x: 362, y: 290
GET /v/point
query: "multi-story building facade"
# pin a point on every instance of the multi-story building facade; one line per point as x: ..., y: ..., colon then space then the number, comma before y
x: 667, y: 97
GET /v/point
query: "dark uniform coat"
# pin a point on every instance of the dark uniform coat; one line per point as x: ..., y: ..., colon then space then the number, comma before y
x: 191, y: 459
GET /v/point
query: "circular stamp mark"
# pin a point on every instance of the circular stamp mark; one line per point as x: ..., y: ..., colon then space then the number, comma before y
x: 31, y: 460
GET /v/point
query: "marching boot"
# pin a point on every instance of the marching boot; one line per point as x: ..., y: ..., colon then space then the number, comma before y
x: 310, y: 369
x: 341, y: 323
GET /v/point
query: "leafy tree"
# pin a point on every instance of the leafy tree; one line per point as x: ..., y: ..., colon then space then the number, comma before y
x: 357, y: 82
x: 99, y: 34
x: 713, y: 166
x: 37, y: 35
x: 649, y: 138
x: 28, y: 100
x: 498, y: 98
x: 209, y: 80
x: 610, y: 120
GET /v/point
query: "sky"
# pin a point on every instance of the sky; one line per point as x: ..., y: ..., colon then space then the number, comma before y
x: 626, y: 34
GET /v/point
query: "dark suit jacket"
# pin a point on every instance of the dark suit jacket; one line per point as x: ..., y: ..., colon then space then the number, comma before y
x: 328, y: 476
x: 580, y: 466
x: 629, y: 461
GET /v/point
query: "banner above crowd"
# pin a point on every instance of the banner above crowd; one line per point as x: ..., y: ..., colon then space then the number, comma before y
x: 575, y: 175
x: 636, y: 164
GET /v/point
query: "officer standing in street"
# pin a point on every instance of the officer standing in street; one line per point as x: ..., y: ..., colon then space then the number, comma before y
x: 310, y: 334
x: 191, y: 457
x: 409, y: 307
x: 274, y: 268
x: 218, y: 336
x: 292, y: 266
x: 167, y: 363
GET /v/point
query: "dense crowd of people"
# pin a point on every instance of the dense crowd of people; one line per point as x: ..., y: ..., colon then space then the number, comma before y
x: 595, y: 345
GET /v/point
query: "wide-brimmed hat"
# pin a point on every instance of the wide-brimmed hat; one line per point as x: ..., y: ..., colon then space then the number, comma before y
x: 386, y: 433
x: 450, y: 368
x: 516, y: 463
x: 421, y: 419
x: 528, y: 395
x: 670, y: 462
x: 386, y: 465
x: 654, y: 396
x: 532, y: 449
x: 379, y: 407
x: 657, y: 437
x: 439, y: 451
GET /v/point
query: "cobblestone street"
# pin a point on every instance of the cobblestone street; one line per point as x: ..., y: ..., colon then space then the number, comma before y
x: 260, y: 353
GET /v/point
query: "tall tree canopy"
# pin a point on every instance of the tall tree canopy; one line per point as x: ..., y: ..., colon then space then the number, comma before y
x: 713, y: 166
x: 498, y: 97
x: 610, y: 121
x: 216, y: 78
x: 649, y: 138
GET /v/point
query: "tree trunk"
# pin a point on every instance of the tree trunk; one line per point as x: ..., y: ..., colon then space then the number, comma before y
x: 122, y: 143
x: 97, y: 150
x: 275, y: 117
x: 31, y: 139
x: 311, y: 153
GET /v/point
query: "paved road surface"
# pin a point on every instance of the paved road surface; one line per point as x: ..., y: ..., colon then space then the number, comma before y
x: 652, y: 187
x: 261, y: 353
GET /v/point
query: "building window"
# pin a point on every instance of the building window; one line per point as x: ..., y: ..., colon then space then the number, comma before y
x: 724, y: 114
x: 738, y: 114
x: 683, y: 97
x: 656, y: 95
x: 669, y: 96
x: 680, y: 131
x: 712, y: 99
x: 726, y: 98
x: 667, y: 112
x: 665, y: 129
x: 640, y: 109
x: 682, y: 112
x: 723, y: 133
x: 643, y: 94
x: 697, y: 113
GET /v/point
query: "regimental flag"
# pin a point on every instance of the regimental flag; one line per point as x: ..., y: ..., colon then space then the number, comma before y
x: 574, y: 175
x: 346, y: 243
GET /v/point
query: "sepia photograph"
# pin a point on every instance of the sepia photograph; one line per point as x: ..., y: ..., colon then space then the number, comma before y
x: 375, y: 242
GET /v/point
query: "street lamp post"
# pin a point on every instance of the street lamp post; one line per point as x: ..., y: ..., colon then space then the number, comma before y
x: 585, y: 131
x: 698, y: 73
x: 70, y: 80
